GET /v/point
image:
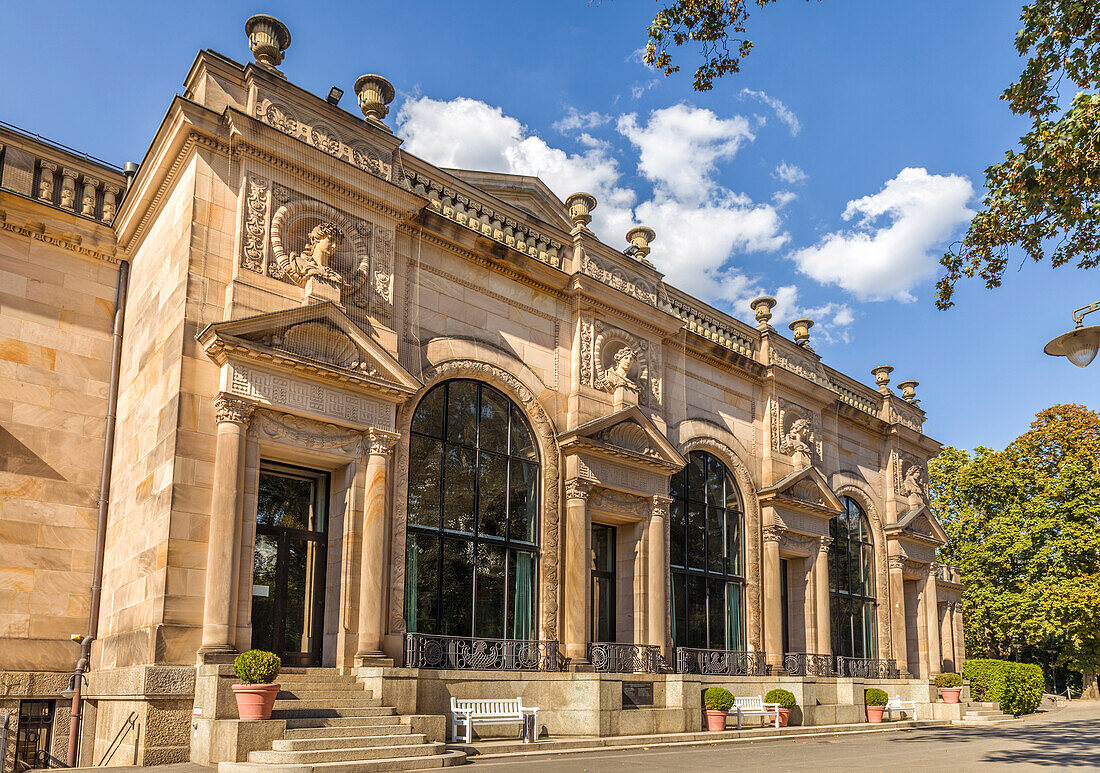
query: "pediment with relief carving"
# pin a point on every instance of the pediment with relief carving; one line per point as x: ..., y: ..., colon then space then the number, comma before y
x: 319, y: 339
x: 805, y: 489
x: 626, y: 435
x: 919, y: 524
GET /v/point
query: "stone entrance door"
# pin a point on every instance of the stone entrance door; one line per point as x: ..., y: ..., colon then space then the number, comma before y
x: 288, y: 569
x: 603, y: 583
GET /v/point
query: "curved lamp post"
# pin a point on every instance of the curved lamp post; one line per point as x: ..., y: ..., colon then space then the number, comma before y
x: 1079, y: 345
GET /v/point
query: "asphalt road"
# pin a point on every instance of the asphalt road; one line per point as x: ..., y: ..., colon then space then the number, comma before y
x: 1064, y: 739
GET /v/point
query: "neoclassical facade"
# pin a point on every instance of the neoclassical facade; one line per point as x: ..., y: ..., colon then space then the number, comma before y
x: 419, y: 425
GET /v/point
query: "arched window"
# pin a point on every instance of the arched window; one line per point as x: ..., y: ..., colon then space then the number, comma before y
x: 470, y: 567
x: 852, y: 583
x: 706, y: 570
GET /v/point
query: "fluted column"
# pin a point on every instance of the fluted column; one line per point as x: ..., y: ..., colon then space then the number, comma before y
x: 932, y: 623
x: 773, y: 614
x: 960, y: 636
x: 658, y: 573
x: 372, y: 560
x: 824, y: 645
x: 578, y: 558
x: 897, y: 612
x: 223, y: 550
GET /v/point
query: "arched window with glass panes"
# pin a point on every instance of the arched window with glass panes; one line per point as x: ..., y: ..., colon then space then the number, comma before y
x: 473, y: 513
x: 706, y: 565
x: 852, y: 583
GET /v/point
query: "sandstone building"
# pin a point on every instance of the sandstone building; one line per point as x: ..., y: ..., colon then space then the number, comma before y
x: 421, y: 426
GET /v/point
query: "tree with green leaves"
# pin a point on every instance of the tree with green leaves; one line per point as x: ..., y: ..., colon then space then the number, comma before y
x: 1023, y: 525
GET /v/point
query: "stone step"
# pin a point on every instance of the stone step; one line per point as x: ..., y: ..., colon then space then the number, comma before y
x: 391, y: 726
x: 294, y: 711
x: 318, y: 678
x: 394, y: 735
x: 985, y: 713
x: 351, y: 754
x: 383, y: 715
x: 315, y: 692
x: 983, y: 720
x: 442, y: 760
x: 327, y: 703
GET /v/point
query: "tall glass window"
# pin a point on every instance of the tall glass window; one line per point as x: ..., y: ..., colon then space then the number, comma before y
x: 852, y: 583
x: 706, y: 570
x: 472, y: 539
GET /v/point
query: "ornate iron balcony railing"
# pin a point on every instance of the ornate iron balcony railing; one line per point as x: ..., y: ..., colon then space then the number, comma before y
x: 866, y: 668
x: 611, y: 658
x: 808, y: 664
x: 720, y: 662
x: 467, y: 653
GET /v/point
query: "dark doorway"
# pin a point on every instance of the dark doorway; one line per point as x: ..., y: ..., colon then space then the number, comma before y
x: 32, y: 745
x: 603, y: 583
x: 288, y: 569
x: 784, y: 604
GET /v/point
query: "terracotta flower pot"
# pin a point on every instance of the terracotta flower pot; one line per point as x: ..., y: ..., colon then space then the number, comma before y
x: 874, y: 714
x: 255, y: 701
x: 716, y: 720
x: 784, y: 716
x: 950, y: 694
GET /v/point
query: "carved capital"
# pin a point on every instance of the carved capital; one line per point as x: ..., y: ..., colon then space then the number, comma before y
x: 88, y: 180
x: 660, y: 506
x: 48, y: 165
x: 380, y: 441
x: 897, y: 563
x: 932, y: 569
x: 230, y: 408
x: 824, y: 543
x: 71, y: 174
x: 577, y: 488
x: 773, y: 533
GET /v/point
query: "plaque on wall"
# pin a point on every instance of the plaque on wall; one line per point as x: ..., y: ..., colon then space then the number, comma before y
x: 637, y: 694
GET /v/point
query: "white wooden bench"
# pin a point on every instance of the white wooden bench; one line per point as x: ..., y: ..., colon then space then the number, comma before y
x: 492, y: 711
x: 754, y: 706
x: 895, y: 703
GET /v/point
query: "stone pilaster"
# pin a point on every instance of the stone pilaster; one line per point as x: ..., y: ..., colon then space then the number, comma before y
x: 932, y: 624
x: 773, y: 614
x: 821, y: 598
x: 657, y: 591
x: 379, y: 449
x: 223, y: 555
x: 897, y: 611
x: 577, y: 554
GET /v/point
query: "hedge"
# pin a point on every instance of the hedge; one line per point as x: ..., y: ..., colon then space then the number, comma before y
x: 1017, y: 687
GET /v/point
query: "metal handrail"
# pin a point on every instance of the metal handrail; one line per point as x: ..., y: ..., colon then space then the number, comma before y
x: 614, y: 658
x: 424, y: 650
x: 690, y: 660
x: 127, y: 726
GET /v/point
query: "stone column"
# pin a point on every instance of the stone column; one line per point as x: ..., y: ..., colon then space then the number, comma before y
x: 223, y: 550
x: 947, y: 637
x: 68, y: 188
x: 87, y: 201
x: 372, y: 565
x: 960, y: 636
x: 897, y: 612
x: 578, y: 558
x: 932, y: 623
x: 773, y: 614
x: 657, y: 591
x: 824, y: 645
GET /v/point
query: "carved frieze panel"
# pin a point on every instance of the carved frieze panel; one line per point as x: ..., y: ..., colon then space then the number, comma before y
x: 621, y: 477
x: 614, y: 276
x: 308, y: 433
x: 905, y: 417
x: 313, y: 131
x: 793, y: 429
x: 321, y: 341
x: 805, y: 366
x: 638, y: 507
x: 282, y: 391
x: 629, y: 435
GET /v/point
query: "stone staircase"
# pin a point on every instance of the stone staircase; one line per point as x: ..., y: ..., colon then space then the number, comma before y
x: 334, y: 725
x: 983, y: 714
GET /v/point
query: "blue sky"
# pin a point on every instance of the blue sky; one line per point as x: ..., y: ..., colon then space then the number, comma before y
x: 830, y: 172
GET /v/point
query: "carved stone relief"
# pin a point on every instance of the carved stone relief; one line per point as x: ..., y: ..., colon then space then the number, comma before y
x: 323, y: 342
x: 615, y: 277
x: 617, y: 358
x: 792, y: 429
x: 629, y: 435
x: 255, y: 225
x: 308, y: 433
x: 796, y: 363
x: 910, y: 476
x: 806, y: 491
x: 616, y: 502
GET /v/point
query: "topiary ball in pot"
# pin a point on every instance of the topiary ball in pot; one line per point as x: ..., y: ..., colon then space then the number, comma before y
x: 950, y: 685
x: 256, y: 695
x: 786, y: 701
x: 875, y: 701
x: 716, y: 704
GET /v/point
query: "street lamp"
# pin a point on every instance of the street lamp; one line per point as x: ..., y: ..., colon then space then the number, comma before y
x: 1079, y: 345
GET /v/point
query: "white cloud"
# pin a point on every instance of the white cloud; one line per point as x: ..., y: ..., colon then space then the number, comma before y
x: 679, y: 148
x: 638, y: 89
x: 789, y: 173
x: 574, y: 120
x: 783, y: 198
x: 877, y: 261
x: 784, y: 113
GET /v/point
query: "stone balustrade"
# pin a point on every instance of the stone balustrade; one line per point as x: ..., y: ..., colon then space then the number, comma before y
x: 854, y: 399
x: 709, y: 327
x: 483, y: 219
x: 949, y: 573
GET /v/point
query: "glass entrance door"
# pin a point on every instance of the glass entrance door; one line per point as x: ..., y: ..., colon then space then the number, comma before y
x: 603, y: 583
x: 288, y: 570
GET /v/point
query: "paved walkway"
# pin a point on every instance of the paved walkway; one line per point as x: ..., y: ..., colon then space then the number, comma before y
x: 1064, y: 739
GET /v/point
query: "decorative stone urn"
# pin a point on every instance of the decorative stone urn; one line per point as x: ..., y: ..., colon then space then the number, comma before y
x: 268, y: 38
x: 580, y: 208
x: 375, y: 94
x: 882, y: 378
x: 909, y: 390
x: 801, y: 330
x: 640, y: 238
x: 763, y: 307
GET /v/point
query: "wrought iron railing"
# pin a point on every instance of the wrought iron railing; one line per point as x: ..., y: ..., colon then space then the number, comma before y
x: 611, y: 658
x: 866, y: 668
x: 808, y: 664
x: 720, y: 662
x: 461, y: 652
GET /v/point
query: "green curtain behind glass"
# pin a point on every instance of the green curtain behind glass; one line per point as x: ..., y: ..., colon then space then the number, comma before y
x: 733, y: 616
x: 521, y: 615
x: 411, y: 586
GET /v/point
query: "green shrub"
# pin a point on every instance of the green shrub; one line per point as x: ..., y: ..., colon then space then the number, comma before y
x: 875, y: 697
x: 987, y: 678
x: 1023, y: 690
x: 949, y: 679
x: 717, y: 699
x: 785, y: 698
x: 257, y: 667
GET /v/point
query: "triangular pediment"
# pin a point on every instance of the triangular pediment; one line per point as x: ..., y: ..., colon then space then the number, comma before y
x: 524, y: 192
x: 319, y: 337
x: 803, y: 489
x: 627, y: 434
x: 920, y: 524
